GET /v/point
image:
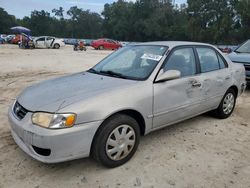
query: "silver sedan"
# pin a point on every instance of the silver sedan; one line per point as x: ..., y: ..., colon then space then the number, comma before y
x: 138, y: 89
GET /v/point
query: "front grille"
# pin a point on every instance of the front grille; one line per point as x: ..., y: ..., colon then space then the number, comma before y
x: 247, y: 66
x: 19, y: 111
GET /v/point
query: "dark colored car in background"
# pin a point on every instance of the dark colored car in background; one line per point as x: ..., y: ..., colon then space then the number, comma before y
x: 242, y: 55
x: 107, y: 44
x: 87, y: 42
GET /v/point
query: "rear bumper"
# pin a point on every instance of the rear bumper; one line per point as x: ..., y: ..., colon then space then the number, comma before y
x: 243, y: 88
x: 62, y: 144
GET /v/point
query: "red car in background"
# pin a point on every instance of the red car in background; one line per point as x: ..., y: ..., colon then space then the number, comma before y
x: 17, y: 39
x: 107, y: 44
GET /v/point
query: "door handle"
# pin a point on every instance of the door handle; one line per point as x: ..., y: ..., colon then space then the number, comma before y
x: 196, y: 84
x: 227, y: 77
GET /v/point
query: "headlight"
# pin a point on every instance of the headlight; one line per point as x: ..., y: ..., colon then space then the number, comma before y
x: 53, y: 121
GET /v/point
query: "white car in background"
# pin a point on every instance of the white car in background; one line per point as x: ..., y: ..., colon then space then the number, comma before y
x: 48, y: 42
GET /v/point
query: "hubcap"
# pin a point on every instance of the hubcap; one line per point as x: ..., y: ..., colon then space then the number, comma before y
x: 228, y: 103
x: 120, y: 142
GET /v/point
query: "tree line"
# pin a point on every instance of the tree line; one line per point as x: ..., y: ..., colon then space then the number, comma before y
x: 217, y: 21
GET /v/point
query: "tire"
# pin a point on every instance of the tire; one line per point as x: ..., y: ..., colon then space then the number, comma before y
x: 225, y: 110
x: 56, y: 46
x: 101, y: 47
x: 107, y: 149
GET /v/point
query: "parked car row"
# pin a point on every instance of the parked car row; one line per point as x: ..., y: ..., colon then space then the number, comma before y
x: 6, y: 38
x: 99, y: 44
x: 26, y: 41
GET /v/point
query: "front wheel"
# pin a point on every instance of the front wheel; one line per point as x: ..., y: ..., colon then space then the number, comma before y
x: 56, y: 46
x: 227, y: 105
x: 116, y: 141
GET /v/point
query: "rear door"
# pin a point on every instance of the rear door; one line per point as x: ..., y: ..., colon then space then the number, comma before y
x: 215, y: 75
x: 49, y: 42
x: 178, y: 99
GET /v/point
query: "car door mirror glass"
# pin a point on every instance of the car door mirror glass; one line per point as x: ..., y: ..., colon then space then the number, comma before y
x: 168, y: 75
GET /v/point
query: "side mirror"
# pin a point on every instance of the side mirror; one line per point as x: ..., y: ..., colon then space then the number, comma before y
x: 168, y: 75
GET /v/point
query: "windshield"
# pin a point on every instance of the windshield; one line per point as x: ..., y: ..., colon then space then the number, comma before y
x: 244, y: 48
x: 131, y: 62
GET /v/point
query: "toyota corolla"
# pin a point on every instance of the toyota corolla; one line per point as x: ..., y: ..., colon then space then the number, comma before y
x: 138, y: 89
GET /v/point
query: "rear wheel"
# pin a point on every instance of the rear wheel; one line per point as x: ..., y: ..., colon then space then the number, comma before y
x: 227, y: 105
x: 116, y: 141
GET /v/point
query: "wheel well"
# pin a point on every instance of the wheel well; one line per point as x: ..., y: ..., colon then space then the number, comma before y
x: 137, y: 116
x: 132, y: 113
x: 235, y: 89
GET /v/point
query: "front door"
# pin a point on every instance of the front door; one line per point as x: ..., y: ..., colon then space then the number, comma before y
x: 178, y: 99
x: 40, y: 43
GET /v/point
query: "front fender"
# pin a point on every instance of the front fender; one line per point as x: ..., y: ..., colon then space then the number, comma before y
x: 138, y: 97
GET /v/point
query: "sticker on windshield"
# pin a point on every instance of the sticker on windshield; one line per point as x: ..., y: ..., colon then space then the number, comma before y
x: 151, y: 57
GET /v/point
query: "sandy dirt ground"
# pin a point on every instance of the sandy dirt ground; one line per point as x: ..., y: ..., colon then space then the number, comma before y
x: 201, y: 152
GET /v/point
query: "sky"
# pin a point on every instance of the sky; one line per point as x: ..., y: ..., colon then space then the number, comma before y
x: 21, y: 8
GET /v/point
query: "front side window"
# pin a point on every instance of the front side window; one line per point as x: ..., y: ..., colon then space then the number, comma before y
x: 208, y: 59
x: 182, y: 60
x: 41, y: 39
x: 131, y: 62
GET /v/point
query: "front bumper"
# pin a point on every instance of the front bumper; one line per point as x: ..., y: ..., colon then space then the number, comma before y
x: 62, y: 144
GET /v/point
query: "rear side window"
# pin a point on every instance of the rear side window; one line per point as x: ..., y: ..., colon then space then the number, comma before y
x: 221, y: 62
x: 208, y: 59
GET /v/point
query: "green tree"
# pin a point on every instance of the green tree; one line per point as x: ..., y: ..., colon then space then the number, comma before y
x: 84, y: 23
x: 243, y: 9
x: 6, y: 21
x: 211, y: 21
x: 58, y: 12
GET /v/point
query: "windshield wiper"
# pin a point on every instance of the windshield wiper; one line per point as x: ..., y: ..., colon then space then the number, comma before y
x: 93, y: 71
x: 115, y: 74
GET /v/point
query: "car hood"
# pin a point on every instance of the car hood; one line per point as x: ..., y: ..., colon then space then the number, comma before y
x: 53, y: 95
x: 239, y: 57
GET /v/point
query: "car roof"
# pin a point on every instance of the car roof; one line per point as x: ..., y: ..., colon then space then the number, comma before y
x: 45, y: 36
x: 172, y: 44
